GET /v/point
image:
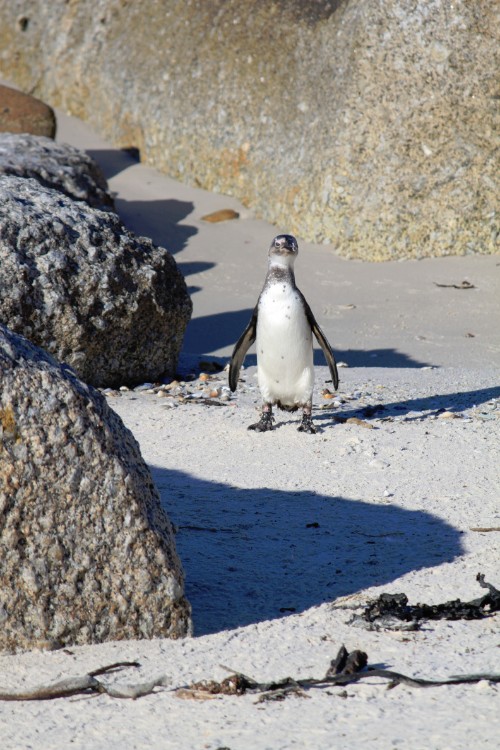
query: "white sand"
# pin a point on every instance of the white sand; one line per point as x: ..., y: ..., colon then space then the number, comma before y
x: 318, y: 524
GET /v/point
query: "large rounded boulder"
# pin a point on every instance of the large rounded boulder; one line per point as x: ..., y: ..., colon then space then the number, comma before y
x: 76, y: 282
x: 369, y: 125
x: 55, y: 165
x: 87, y: 552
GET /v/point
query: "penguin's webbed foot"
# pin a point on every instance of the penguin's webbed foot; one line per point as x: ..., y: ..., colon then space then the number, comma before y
x: 307, y: 425
x: 264, y: 424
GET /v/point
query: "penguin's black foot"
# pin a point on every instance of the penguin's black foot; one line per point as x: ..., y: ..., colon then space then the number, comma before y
x: 264, y: 424
x: 307, y: 425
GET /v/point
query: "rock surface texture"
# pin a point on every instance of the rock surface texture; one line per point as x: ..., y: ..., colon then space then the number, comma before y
x: 87, y: 553
x: 365, y: 124
x: 77, y: 283
x: 55, y: 165
x: 21, y: 113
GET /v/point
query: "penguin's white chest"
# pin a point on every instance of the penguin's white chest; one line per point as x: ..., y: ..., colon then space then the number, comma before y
x: 284, y: 347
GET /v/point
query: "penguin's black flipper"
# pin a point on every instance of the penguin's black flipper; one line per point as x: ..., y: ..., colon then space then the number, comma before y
x: 324, y: 344
x: 327, y: 351
x: 243, y: 344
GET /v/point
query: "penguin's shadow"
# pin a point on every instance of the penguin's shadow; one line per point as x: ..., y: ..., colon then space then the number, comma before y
x: 256, y: 554
x: 432, y: 405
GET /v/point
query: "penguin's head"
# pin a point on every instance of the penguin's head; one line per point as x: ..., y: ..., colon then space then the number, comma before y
x: 283, y: 250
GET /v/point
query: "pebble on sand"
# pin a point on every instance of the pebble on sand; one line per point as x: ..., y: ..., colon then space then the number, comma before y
x: 224, y: 214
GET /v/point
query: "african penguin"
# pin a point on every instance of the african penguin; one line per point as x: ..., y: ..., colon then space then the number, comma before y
x: 282, y: 324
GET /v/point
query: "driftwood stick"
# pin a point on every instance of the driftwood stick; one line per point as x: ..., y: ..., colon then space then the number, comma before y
x: 61, y: 689
x: 87, y: 685
x: 115, y: 667
x: 345, y: 669
x: 137, y: 691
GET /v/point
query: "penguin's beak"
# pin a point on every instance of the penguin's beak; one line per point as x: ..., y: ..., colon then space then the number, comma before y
x: 289, y: 247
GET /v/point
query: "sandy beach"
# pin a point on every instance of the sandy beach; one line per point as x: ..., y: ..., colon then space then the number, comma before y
x: 284, y: 537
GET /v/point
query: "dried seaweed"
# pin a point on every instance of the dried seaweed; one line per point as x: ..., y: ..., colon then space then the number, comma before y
x: 389, y: 609
x: 462, y: 285
x: 347, y: 668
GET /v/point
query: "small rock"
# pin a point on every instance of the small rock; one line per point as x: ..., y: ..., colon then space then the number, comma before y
x: 143, y: 387
x: 483, y: 685
x: 377, y: 463
x: 449, y: 415
x: 360, y: 422
x: 22, y: 113
x: 225, y: 214
x: 342, y: 364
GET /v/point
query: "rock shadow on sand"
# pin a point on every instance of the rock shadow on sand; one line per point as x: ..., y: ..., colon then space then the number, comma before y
x: 161, y: 217
x: 211, y: 333
x: 257, y: 554
x: 112, y: 161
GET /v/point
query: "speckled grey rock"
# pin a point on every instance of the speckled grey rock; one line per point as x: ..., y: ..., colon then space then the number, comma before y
x: 370, y: 125
x: 87, y: 553
x: 54, y: 165
x: 77, y: 283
